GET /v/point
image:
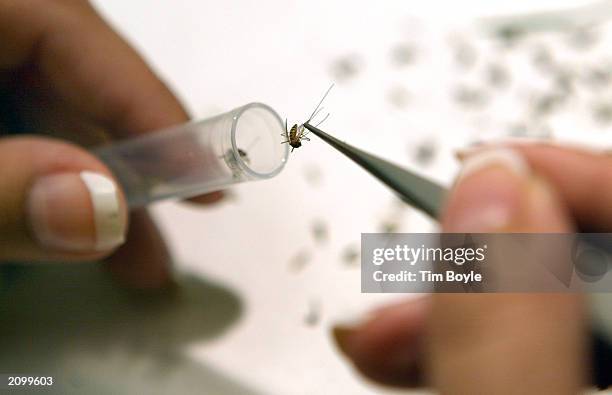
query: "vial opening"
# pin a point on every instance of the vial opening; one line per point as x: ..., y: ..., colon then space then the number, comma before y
x: 257, y: 141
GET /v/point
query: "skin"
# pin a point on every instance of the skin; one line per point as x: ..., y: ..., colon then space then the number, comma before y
x: 501, y: 343
x: 72, y: 77
x: 72, y: 73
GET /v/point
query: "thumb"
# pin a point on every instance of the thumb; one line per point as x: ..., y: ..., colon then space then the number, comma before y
x: 57, y: 202
x: 505, y: 343
x: 497, y: 192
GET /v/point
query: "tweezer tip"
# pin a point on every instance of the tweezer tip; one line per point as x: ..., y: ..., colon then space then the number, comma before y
x: 313, y: 129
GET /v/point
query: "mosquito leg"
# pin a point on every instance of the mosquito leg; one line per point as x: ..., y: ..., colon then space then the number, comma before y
x: 323, y: 120
x: 314, y: 115
x: 323, y: 98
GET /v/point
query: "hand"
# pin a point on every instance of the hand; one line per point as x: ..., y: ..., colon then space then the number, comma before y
x: 496, y: 343
x: 65, y: 73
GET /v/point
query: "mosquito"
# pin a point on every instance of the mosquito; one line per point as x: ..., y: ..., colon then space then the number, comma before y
x: 297, y: 133
x: 232, y: 159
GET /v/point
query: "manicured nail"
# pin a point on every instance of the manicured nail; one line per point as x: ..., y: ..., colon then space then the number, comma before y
x: 342, y: 337
x: 544, y: 209
x: 464, y: 153
x: 485, y: 158
x: 77, y: 212
x: 345, y: 326
x: 487, y: 194
x: 110, y: 227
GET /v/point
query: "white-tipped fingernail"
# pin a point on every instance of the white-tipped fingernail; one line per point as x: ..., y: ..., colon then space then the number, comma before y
x: 76, y: 212
x: 506, y: 157
x: 488, y: 192
x: 109, y: 224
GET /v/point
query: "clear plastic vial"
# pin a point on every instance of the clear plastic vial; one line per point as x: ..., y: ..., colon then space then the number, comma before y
x: 199, y: 157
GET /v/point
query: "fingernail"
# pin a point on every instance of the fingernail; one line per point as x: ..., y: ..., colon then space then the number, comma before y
x: 503, y: 157
x: 209, y: 198
x: 345, y: 326
x: 342, y: 337
x: 487, y: 194
x: 544, y: 209
x: 78, y: 212
x: 464, y: 153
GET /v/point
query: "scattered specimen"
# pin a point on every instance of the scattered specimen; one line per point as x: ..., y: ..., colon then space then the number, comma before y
x: 403, y: 54
x: 313, y: 314
x: 497, y: 75
x: 465, y: 55
x: 320, y: 231
x: 602, y: 112
x: 347, y: 67
x: 547, y: 103
x: 543, y: 59
x: 564, y: 81
x: 470, y: 96
x: 583, y: 38
x: 300, y: 260
x: 390, y: 225
x: 510, y: 35
x: 425, y: 152
x: 398, y: 96
x: 598, y: 77
x: 350, y: 255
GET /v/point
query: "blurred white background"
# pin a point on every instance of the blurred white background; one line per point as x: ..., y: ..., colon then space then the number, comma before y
x: 413, y: 83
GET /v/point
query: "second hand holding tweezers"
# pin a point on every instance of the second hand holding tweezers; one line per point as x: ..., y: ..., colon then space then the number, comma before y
x: 428, y: 197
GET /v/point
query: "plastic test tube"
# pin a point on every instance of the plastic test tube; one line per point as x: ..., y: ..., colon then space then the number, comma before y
x: 198, y: 157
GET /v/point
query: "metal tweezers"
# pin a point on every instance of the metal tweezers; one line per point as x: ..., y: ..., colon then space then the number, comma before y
x: 415, y: 190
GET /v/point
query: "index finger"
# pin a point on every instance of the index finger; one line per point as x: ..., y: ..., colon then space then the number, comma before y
x: 86, y: 64
x: 582, y: 178
x: 77, y: 57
